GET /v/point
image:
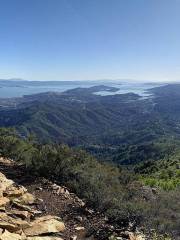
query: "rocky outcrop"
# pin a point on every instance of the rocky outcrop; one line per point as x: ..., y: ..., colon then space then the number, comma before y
x: 18, y: 215
x: 32, y: 214
x: 44, y: 225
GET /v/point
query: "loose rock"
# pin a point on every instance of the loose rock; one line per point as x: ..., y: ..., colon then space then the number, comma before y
x: 45, y: 225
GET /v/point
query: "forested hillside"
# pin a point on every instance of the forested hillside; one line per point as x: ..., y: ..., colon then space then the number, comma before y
x: 132, y: 169
x: 117, y: 192
x: 75, y: 117
x: 100, y: 124
x: 80, y: 117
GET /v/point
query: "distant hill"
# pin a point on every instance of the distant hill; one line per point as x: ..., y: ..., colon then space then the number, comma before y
x: 76, y: 116
x: 81, y: 118
x: 136, y: 141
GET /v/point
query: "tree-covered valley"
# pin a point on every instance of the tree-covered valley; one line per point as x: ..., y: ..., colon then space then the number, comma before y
x: 121, y: 152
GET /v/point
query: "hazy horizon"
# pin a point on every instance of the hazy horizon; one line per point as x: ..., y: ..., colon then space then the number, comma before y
x: 93, y: 80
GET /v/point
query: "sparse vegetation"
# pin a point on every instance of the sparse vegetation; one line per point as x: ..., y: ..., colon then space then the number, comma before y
x: 137, y: 175
x: 110, y: 189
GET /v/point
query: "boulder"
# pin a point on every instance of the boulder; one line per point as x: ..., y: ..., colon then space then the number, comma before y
x: 27, y: 199
x: 45, y: 225
x: 12, y: 224
x: 2, y: 209
x: 45, y: 218
x: 15, y: 221
x: 6, y: 161
x: 21, y: 214
x: 21, y: 224
x: 4, y: 183
x: 8, y: 226
x: 6, y: 235
x: 4, y: 201
x: 21, y: 206
x: 15, y: 191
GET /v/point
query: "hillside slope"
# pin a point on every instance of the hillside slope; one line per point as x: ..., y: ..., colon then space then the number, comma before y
x: 80, y: 117
x: 119, y: 197
x: 28, y: 217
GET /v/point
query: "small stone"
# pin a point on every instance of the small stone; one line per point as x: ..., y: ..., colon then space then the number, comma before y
x: 39, y: 188
x: 40, y: 200
x: 35, y: 212
x: 55, y: 187
x: 140, y: 237
x: 106, y: 219
x: 79, y: 218
x: 74, y: 238
x: 89, y: 211
x: 81, y: 232
x: 111, y: 227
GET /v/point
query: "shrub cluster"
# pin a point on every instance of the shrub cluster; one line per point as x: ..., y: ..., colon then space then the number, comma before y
x: 110, y: 189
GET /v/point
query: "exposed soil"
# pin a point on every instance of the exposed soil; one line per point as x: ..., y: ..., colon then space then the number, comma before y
x: 66, y: 205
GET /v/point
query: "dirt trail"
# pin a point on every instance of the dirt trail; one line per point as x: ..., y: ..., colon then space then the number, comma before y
x: 58, y: 201
x: 81, y: 223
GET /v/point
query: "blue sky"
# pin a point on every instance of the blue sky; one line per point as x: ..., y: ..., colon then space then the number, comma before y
x: 90, y: 39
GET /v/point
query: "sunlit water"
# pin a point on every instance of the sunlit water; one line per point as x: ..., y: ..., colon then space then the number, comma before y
x: 18, y: 89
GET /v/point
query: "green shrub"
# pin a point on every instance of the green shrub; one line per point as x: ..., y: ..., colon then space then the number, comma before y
x: 112, y: 190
